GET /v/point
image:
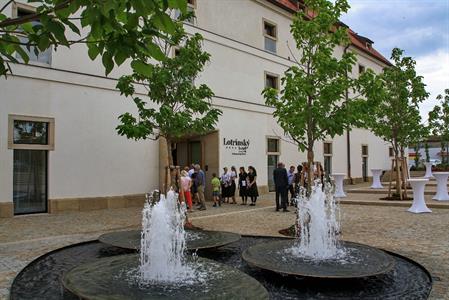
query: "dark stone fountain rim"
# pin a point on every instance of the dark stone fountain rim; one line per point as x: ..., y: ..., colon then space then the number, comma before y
x: 130, y: 239
x: 284, y: 268
x: 38, y: 259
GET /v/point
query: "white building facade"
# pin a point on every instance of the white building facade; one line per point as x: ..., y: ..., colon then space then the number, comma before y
x: 77, y: 162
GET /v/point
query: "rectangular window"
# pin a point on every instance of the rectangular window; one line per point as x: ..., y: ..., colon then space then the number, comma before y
x: 20, y: 10
x: 271, y: 81
x: 191, y: 5
x: 270, y: 36
x: 27, y: 132
x: 327, y: 148
x: 272, y: 145
x: 361, y: 69
x: 364, y: 150
x: 390, y: 152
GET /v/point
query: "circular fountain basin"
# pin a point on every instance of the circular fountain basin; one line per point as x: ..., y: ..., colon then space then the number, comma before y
x: 195, y: 239
x: 360, y: 261
x: 108, y: 278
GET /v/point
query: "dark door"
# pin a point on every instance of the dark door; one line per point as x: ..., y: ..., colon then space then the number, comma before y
x: 195, y: 152
x: 365, y: 168
x: 272, y: 163
x: 30, y: 181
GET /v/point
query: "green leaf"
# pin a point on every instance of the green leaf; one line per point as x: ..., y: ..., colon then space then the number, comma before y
x: 155, y: 52
x: 142, y: 68
x: 107, y: 62
x: 93, y: 51
x: 164, y: 22
x: 120, y: 57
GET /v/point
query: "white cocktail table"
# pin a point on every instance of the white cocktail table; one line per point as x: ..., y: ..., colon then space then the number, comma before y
x: 441, y: 178
x: 376, y: 179
x: 338, y: 177
x: 428, y: 170
x: 419, y: 204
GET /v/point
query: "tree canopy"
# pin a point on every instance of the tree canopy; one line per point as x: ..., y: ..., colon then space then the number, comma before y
x: 175, y: 106
x: 114, y: 30
x: 439, y: 121
x: 313, y: 103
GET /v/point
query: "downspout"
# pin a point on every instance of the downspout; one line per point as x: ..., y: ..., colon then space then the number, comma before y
x: 348, y: 134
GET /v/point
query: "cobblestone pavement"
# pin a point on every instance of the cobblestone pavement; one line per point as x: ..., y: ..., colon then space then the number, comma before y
x: 424, y: 238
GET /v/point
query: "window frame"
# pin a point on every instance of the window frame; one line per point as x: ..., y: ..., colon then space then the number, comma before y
x: 331, y: 149
x: 390, y: 151
x: 16, y: 6
x: 367, y: 150
x: 267, y: 138
x: 265, y: 35
x: 276, y: 76
x: 361, y: 67
x: 50, y: 133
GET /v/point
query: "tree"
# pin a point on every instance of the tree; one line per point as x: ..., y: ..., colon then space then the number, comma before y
x: 417, y: 155
x: 310, y: 106
x: 439, y: 123
x: 179, y: 107
x: 115, y: 30
x: 395, y: 116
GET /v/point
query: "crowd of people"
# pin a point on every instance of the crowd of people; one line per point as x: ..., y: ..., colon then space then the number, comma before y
x: 243, y: 183
x: 286, y: 182
x: 224, y: 187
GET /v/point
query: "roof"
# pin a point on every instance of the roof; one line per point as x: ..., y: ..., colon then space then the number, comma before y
x: 362, y: 43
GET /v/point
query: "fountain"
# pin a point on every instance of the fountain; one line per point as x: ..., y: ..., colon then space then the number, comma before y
x: 96, y: 270
x: 162, y: 270
x: 317, y: 252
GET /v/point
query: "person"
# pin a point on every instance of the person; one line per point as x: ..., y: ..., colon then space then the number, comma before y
x: 233, y: 176
x: 280, y: 178
x: 253, y: 193
x: 225, y: 185
x: 201, y: 182
x: 298, y: 182
x: 191, y: 170
x: 216, y: 190
x: 243, y: 185
x: 186, y: 184
x: 291, y: 182
x: 194, y: 188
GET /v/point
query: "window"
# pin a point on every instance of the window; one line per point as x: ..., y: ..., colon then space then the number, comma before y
x: 364, y: 150
x: 271, y: 81
x: 191, y: 5
x: 390, y: 152
x: 22, y: 10
x: 270, y: 36
x: 361, y: 69
x: 327, y: 150
x: 35, y: 133
x: 272, y: 145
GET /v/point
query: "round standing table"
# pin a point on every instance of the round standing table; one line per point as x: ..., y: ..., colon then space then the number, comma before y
x: 441, y: 178
x: 376, y: 179
x: 338, y: 177
x: 419, y: 204
x: 428, y: 170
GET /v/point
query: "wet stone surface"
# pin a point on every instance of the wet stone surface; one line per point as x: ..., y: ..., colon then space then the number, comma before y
x: 42, y: 278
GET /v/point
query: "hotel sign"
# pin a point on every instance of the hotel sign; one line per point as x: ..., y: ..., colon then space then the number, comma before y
x: 236, y: 146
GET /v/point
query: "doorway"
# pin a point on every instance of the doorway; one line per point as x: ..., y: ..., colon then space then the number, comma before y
x: 365, y: 163
x: 272, y: 164
x: 30, y: 181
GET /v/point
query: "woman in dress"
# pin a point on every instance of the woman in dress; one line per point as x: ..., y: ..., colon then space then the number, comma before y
x: 186, y: 184
x: 194, y: 188
x: 232, y: 187
x: 243, y: 185
x: 253, y: 193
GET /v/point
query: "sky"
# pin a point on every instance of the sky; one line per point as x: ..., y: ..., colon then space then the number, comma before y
x: 419, y: 27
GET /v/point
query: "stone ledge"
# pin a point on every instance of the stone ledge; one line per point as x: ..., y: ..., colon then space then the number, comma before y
x: 391, y: 203
x: 95, y: 203
x: 6, y: 210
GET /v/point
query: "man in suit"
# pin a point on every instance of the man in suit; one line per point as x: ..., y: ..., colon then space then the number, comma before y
x: 280, y: 178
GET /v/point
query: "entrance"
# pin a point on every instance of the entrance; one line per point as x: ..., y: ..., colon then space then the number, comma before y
x: 365, y: 163
x: 30, y: 181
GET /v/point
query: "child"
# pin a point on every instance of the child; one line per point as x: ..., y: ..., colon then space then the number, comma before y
x: 216, y: 189
x: 186, y: 184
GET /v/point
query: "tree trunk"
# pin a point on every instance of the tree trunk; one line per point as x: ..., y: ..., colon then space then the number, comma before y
x: 310, y: 169
x: 398, y: 177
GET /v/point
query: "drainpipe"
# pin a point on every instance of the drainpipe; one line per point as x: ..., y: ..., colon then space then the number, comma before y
x: 348, y: 135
